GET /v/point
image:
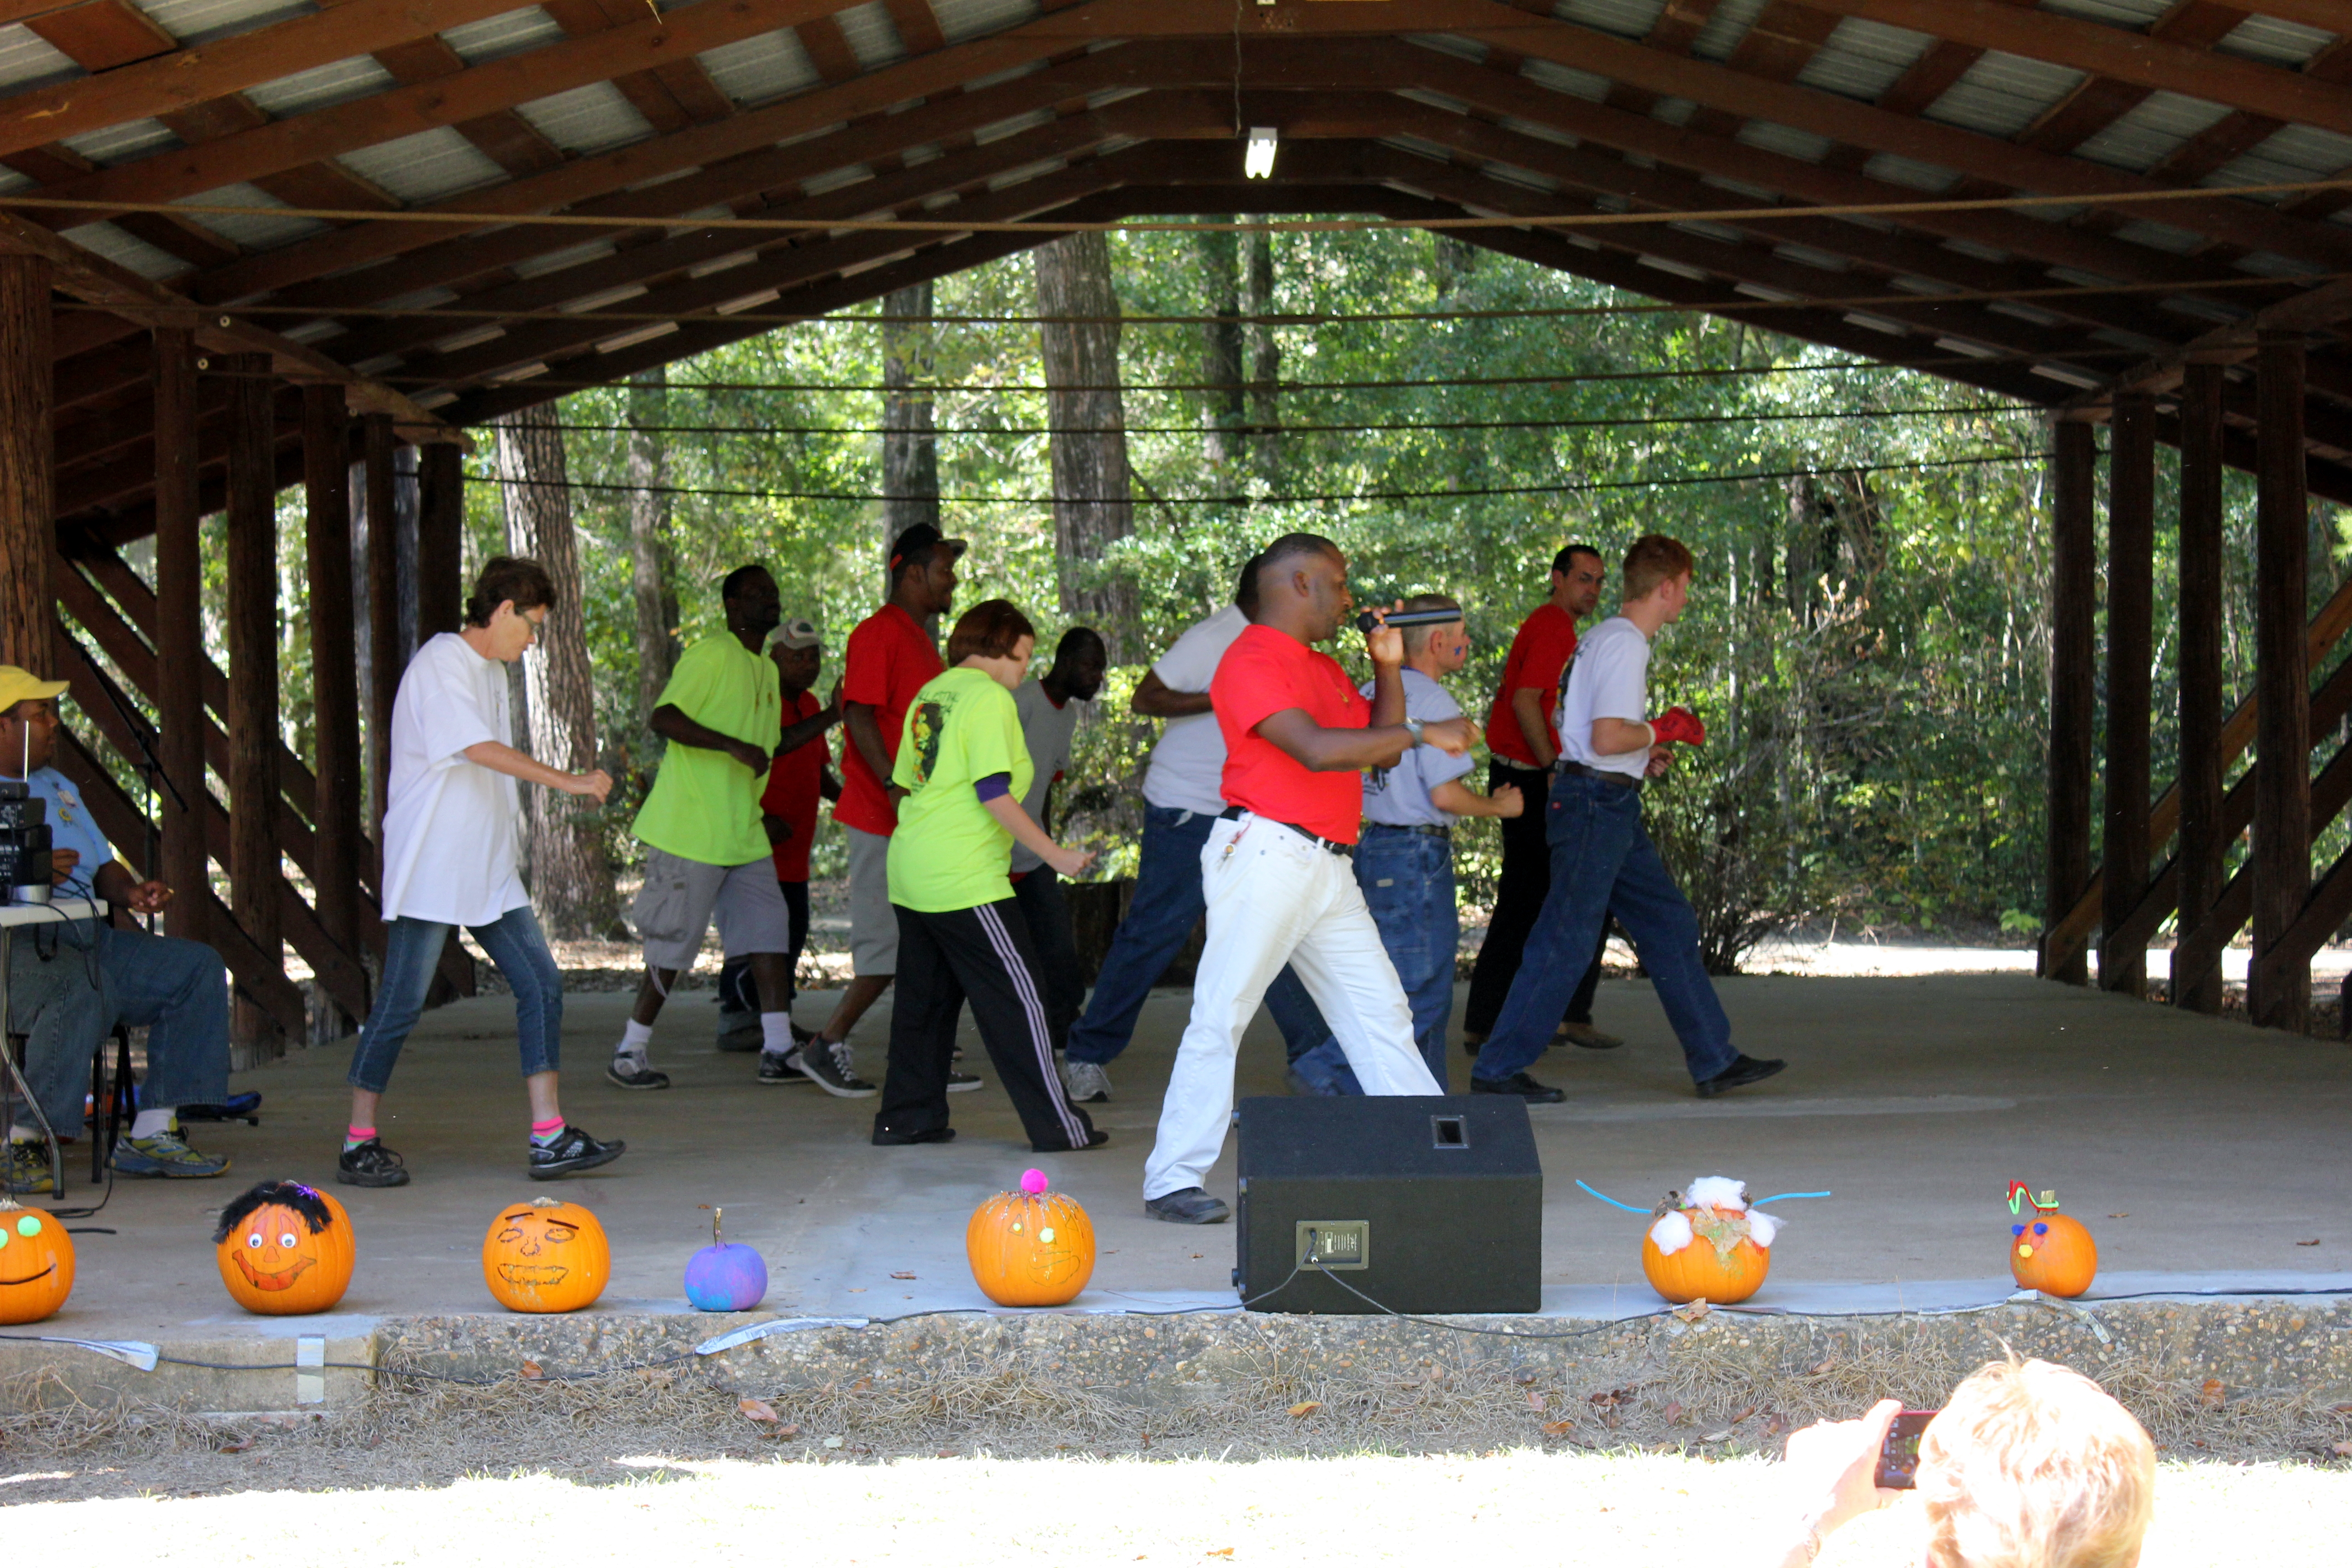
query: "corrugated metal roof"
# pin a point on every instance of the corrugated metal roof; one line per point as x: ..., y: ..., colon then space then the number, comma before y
x: 1909, y: 172
x: 592, y: 118
x: 27, y: 59
x: 1724, y: 30
x: 2291, y: 153
x: 2162, y: 235
x: 2150, y: 132
x: 317, y: 88
x: 2001, y: 95
x: 757, y: 69
x: 1626, y: 18
x: 122, y: 144
x: 193, y: 21
x: 426, y: 167
x: 508, y: 33
x: 2136, y: 14
x: 2278, y: 42
x: 1863, y: 59
x: 961, y: 19
x: 253, y: 232
x: 1563, y: 79
x: 1786, y: 139
x: 873, y: 36
x: 105, y: 240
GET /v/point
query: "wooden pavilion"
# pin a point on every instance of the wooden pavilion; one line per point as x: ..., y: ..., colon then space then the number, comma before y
x: 246, y: 243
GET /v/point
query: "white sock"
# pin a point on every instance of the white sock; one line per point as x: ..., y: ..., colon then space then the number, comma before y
x: 153, y: 1119
x: 776, y: 1034
x: 635, y: 1038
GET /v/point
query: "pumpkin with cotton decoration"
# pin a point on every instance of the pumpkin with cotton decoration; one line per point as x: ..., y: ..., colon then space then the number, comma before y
x: 2049, y: 1251
x: 37, y: 1263
x: 1709, y: 1242
x: 1030, y: 1248
x: 284, y: 1249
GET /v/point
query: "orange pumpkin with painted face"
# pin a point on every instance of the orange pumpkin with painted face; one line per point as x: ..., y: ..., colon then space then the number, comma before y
x: 546, y: 1255
x: 37, y: 1263
x: 284, y: 1249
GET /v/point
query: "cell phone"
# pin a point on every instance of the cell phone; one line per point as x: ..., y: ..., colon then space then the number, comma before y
x: 1898, y: 1457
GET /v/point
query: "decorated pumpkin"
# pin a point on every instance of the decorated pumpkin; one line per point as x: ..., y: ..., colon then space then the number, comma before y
x: 1030, y: 1248
x: 2049, y: 1251
x: 284, y: 1248
x: 546, y: 1255
x: 725, y: 1276
x: 37, y: 1263
x: 1707, y: 1242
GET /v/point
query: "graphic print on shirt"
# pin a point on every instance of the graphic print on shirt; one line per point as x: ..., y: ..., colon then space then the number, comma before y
x: 930, y: 723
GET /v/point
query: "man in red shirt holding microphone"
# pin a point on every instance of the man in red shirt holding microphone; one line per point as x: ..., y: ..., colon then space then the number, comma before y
x: 1275, y: 870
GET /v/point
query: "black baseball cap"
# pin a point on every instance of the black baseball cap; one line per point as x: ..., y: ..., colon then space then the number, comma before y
x: 924, y: 537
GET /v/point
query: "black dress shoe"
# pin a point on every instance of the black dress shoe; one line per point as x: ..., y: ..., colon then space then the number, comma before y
x: 1520, y: 1084
x: 887, y: 1140
x: 1743, y: 1071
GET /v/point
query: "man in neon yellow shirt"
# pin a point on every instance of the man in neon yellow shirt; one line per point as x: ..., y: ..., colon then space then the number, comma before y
x: 705, y: 853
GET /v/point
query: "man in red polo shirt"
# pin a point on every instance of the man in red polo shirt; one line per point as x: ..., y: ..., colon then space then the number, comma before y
x: 1276, y: 869
x: 888, y: 658
x: 1520, y: 735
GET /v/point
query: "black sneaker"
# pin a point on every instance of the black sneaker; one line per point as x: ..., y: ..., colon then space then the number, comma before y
x: 961, y: 1081
x: 1095, y: 1139
x: 828, y: 1065
x: 1520, y: 1084
x: 740, y: 1030
x: 775, y: 1069
x: 884, y: 1140
x: 630, y: 1072
x: 370, y: 1164
x: 1188, y: 1206
x: 574, y: 1150
x: 1744, y: 1070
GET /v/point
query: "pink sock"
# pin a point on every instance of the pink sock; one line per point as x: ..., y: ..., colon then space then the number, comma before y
x: 355, y: 1136
x: 545, y: 1132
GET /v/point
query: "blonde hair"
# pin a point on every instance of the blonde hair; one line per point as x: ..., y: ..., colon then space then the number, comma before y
x: 2034, y: 1465
x: 1417, y: 638
x: 1655, y: 558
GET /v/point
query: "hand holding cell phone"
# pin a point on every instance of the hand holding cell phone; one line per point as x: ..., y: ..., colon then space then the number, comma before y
x: 1899, y: 1456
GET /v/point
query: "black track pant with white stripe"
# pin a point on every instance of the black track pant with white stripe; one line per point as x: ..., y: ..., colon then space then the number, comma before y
x: 984, y: 955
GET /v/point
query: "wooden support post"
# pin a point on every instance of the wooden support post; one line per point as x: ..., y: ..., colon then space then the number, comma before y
x: 180, y: 636
x: 253, y: 863
x: 334, y: 665
x: 2131, y: 649
x: 383, y: 612
x: 2073, y: 596
x: 2200, y: 857
x: 440, y: 540
x: 2278, y: 989
x: 27, y: 520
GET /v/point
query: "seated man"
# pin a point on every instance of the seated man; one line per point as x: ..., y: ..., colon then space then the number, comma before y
x: 177, y: 990
x: 2027, y: 1464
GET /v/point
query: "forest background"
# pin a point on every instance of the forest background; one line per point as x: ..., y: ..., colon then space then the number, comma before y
x: 1869, y: 633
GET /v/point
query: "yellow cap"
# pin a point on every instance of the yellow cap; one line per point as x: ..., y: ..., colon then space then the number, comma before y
x: 22, y: 685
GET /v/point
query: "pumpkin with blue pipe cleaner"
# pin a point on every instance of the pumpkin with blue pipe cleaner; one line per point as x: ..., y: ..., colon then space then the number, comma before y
x: 37, y: 1263
x: 1030, y: 1248
x: 725, y: 1276
x: 2049, y: 1251
x: 285, y: 1250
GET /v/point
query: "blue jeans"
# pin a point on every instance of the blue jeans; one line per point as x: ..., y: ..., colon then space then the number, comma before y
x: 177, y: 989
x: 1167, y: 904
x: 412, y: 954
x: 1407, y: 883
x: 1604, y: 865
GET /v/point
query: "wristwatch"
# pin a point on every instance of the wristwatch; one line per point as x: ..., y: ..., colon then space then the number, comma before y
x: 1413, y: 727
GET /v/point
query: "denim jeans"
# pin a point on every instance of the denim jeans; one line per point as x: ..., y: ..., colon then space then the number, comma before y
x: 1407, y: 883
x: 1603, y: 865
x: 1167, y: 904
x: 174, y: 989
x: 412, y: 954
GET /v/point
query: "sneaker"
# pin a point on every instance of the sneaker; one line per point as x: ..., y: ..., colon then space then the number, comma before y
x: 884, y: 1140
x: 1520, y: 1084
x: 166, y: 1154
x: 1586, y: 1036
x: 740, y: 1030
x: 802, y: 1036
x: 1095, y: 1139
x: 28, y: 1169
x: 961, y: 1081
x: 1744, y: 1070
x: 370, y: 1164
x: 1188, y: 1206
x: 631, y: 1072
x: 574, y: 1150
x: 1084, y: 1082
x: 1470, y: 1044
x: 780, y: 1068
x: 829, y: 1064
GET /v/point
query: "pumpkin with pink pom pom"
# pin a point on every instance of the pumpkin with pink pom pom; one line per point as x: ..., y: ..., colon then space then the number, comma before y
x: 1708, y: 1243
x: 1030, y: 1248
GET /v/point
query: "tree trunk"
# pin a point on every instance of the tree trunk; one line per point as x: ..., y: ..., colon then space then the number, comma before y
x: 652, y: 579
x: 1092, y: 488
x: 571, y: 882
x: 910, y: 445
x: 1223, y: 409
x: 1263, y: 354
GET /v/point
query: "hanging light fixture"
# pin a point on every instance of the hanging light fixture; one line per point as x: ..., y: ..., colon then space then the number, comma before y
x: 1259, y: 162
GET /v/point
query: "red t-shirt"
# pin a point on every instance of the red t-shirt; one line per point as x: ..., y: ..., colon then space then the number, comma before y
x: 796, y: 783
x: 887, y: 660
x: 1545, y: 643
x: 1262, y: 673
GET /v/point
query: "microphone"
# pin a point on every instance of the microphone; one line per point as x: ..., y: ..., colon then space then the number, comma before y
x: 1401, y: 619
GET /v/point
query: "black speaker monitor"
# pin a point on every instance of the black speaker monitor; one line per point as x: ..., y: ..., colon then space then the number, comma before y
x: 1424, y: 1204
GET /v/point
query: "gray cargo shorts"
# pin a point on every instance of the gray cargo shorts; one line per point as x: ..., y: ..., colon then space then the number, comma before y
x: 675, y: 907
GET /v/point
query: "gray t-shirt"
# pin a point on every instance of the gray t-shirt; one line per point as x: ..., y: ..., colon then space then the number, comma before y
x: 1608, y: 678
x: 1399, y: 796
x: 1047, y: 731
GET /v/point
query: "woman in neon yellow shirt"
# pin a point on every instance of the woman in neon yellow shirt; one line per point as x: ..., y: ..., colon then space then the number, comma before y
x: 962, y: 770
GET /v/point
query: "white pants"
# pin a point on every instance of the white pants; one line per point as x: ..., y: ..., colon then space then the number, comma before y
x: 1278, y: 899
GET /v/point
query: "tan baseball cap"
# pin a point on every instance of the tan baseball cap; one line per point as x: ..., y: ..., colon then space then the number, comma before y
x: 22, y: 685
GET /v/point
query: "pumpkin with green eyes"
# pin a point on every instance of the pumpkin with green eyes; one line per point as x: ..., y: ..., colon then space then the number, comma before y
x: 2049, y: 1251
x: 284, y: 1248
x: 37, y: 1263
x: 546, y: 1257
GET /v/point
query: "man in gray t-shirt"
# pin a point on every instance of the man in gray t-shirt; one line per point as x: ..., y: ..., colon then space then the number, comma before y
x: 1048, y: 706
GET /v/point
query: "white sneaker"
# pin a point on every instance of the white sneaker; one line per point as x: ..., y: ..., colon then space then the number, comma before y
x: 1086, y: 1082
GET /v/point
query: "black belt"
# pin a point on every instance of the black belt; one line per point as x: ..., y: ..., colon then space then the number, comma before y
x: 1345, y: 851
x: 1620, y: 780
x: 1426, y: 829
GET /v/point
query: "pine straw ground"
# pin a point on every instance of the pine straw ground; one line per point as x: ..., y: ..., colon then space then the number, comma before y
x: 1701, y: 1395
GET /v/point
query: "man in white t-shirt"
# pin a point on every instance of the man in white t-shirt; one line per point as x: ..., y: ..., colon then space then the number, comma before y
x: 1048, y: 705
x: 1603, y: 862
x: 1181, y: 797
x: 449, y: 860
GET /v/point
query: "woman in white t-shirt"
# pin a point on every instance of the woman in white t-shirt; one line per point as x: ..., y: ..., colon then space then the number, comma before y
x: 449, y: 860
